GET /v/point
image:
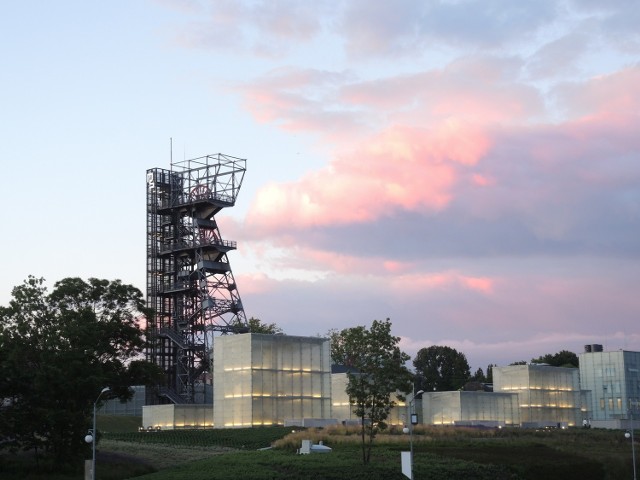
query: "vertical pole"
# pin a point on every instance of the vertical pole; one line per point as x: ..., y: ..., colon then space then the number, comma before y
x: 411, y: 406
x: 93, y: 463
x: 94, y: 433
x: 633, y: 448
x: 411, y: 437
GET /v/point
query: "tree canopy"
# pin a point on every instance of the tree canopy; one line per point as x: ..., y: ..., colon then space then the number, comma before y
x: 258, y: 326
x: 441, y: 368
x: 378, y: 374
x: 58, y: 350
x: 563, y: 358
x: 255, y: 325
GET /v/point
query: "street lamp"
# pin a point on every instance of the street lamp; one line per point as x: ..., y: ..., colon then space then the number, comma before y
x: 413, y: 420
x: 629, y: 434
x: 91, y: 437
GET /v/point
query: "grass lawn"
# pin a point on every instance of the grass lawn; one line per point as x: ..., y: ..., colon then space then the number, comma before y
x: 440, y: 453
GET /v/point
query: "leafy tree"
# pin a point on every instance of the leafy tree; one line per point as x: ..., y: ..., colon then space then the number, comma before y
x: 441, y: 368
x: 520, y: 362
x: 257, y: 326
x: 478, y: 376
x: 57, y: 351
x: 378, y: 374
x: 563, y: 358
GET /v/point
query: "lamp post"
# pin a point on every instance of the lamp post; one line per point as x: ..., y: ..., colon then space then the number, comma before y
x: 629, y: 434
x: 413, y: 419
x: 91, y: 438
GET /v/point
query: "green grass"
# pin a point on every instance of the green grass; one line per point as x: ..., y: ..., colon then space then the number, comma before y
x: 118, y: 423
x: 440, y: 453
x: 241, y: 439
x: 342, y: 463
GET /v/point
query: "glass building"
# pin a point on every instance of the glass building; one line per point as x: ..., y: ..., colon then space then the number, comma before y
x: 267, y: 379
x: 546, y: 395
x: 470, y: 408
x: 342, y: 410
x: 176, y: 417
x: 132, y: 407
x: 613, y: 381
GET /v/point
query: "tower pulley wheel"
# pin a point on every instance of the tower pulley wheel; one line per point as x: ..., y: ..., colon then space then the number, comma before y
x: 200, y: 192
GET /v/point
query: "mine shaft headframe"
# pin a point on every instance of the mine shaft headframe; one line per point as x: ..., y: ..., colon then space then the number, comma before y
x: 218, y: 176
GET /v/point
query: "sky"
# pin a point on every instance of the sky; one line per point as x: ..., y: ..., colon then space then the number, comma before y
x: 469, y: 169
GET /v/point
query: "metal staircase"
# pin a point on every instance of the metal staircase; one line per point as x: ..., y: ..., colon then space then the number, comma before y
x: 190, y: 285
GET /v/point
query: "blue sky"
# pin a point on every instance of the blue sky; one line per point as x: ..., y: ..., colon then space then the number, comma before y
x: 469, y: 169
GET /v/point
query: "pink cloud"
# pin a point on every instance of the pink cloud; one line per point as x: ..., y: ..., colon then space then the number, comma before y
x: 255, y: 283
x: 614, y: 95
x: 450, y: 280
x: 482, y: 180
x: 476, y: 91
x: 340, y: 263
x: 479, y: 90
x: 406, y: 168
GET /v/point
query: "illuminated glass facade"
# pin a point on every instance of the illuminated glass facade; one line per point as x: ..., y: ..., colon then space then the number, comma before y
x: 546, y: 395
x: 342, y: 410
x: 267, y: 379
x: 172, y: 417
x: 340, y: 406
x: 613, y: 381
x: 449, y: 408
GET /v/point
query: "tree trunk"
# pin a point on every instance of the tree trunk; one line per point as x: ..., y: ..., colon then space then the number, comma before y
x: 365, y: 460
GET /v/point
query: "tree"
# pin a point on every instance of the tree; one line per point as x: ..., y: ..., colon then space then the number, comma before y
x: 58, y: 351
x: 441, y: 368
x: 257, y: 326
x: 563, y: 358
x: 478, y: 376
x: 378, y: 373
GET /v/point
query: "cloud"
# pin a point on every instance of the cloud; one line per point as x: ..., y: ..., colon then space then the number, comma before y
x: 560, y: 56
x: 422, y: 283
x: 339, y: 105
x: 403, y: 168
x: 261, y: 28
x: 297, y: 99
x: 521, y: 187
x: 411, y: 27
x: 611, y: 97
x: 481, y: 187
x: 529, y: 308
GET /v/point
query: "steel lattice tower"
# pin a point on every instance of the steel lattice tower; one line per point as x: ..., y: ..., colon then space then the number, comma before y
x: 190, y: 285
